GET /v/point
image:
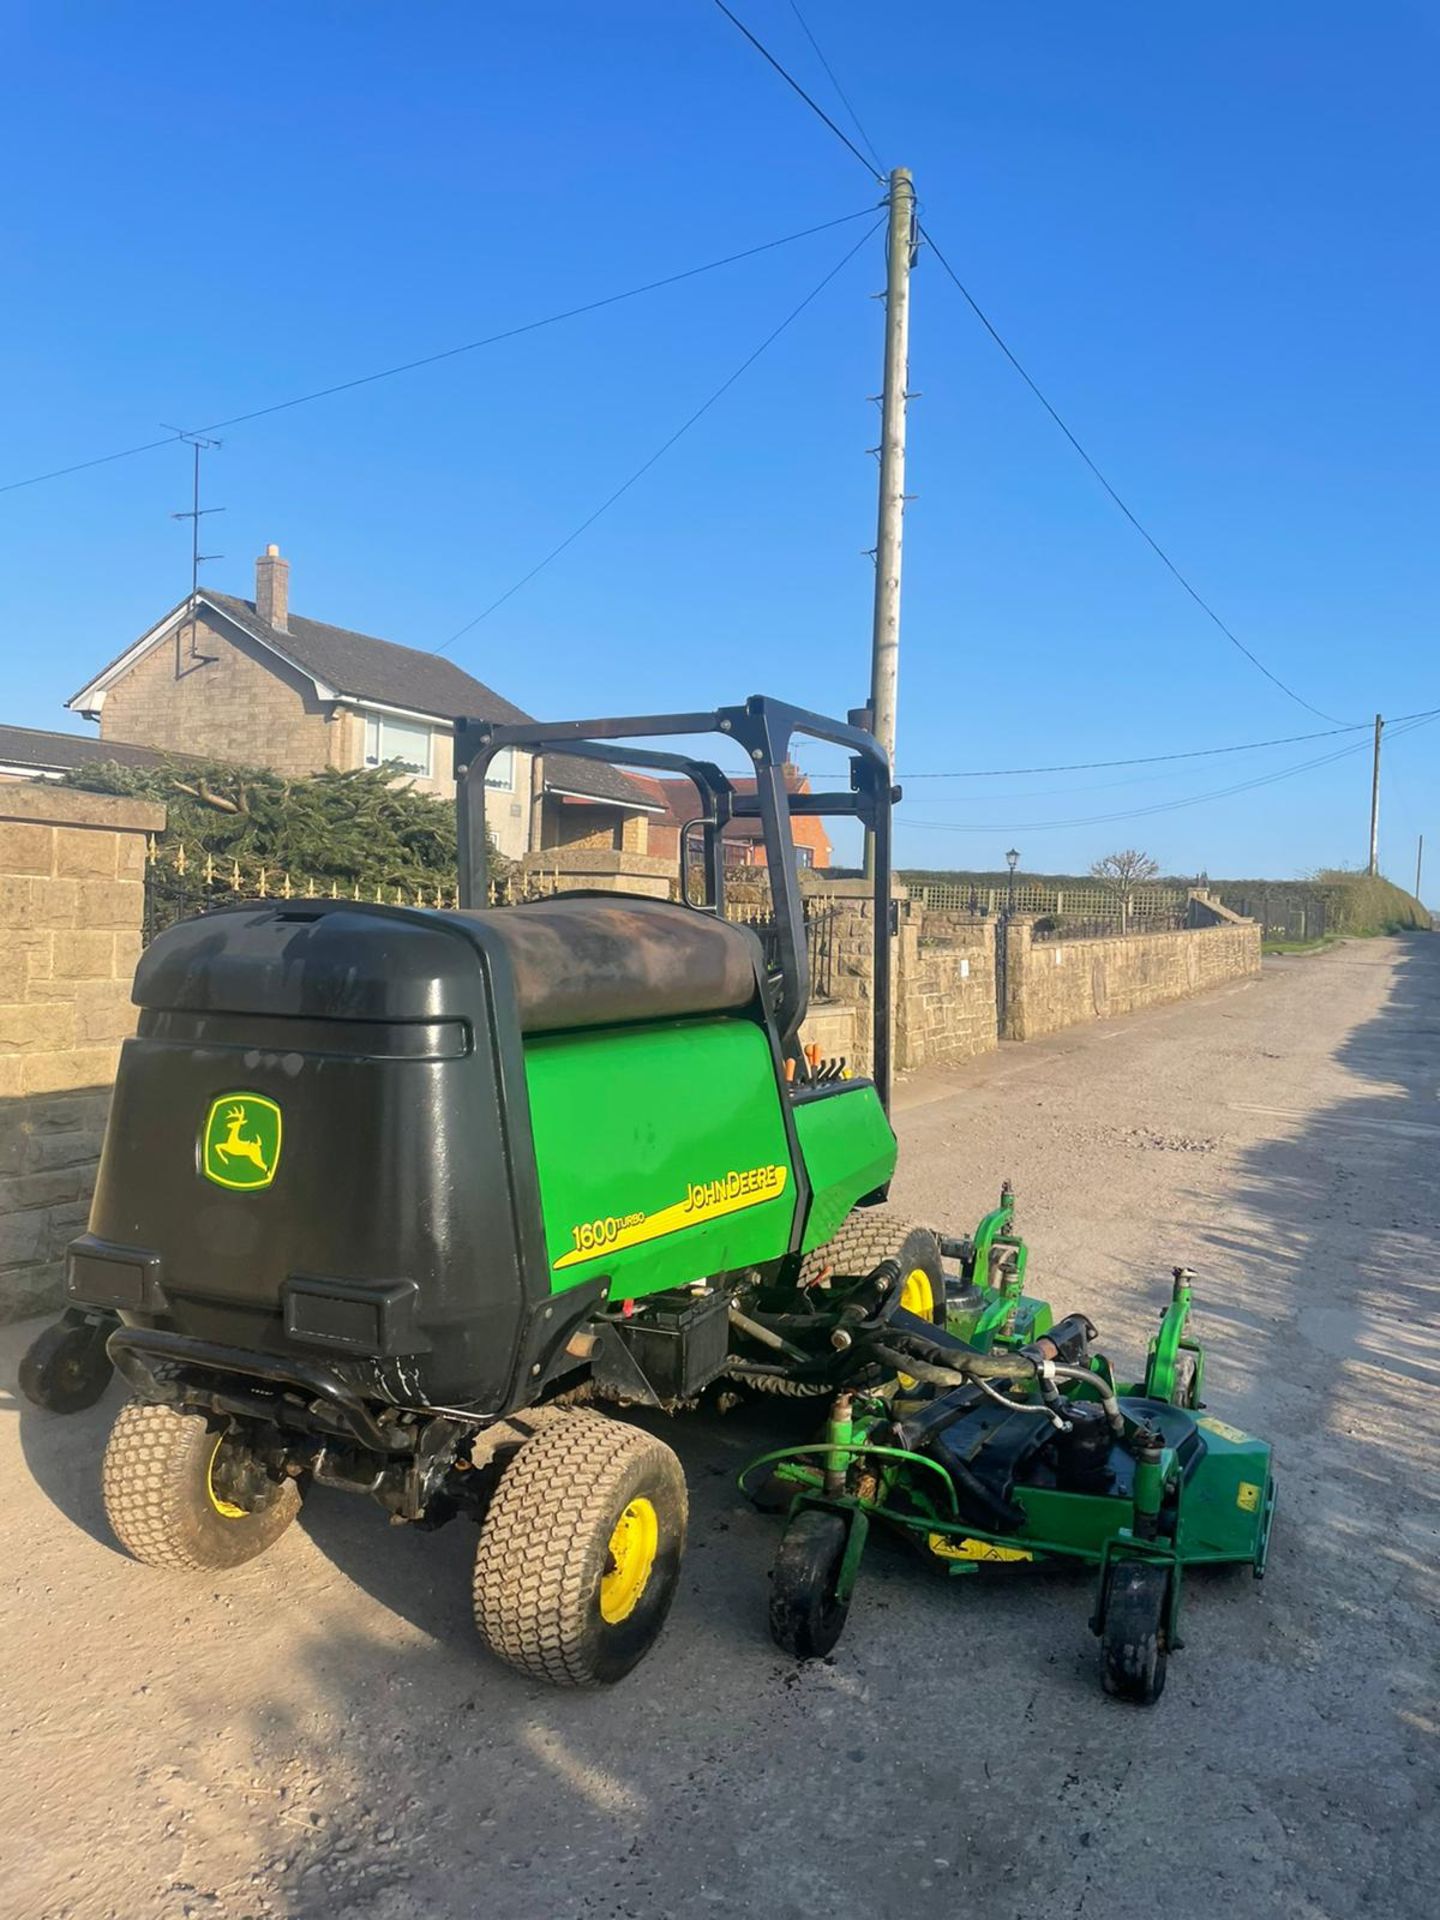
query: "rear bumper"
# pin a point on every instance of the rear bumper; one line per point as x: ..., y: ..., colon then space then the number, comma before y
x: 289, y: 1392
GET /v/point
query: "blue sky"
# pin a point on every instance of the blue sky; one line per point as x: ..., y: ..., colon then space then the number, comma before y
x: 1207, y: 230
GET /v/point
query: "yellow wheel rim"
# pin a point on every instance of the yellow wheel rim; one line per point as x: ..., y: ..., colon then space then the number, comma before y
x: 227, y: 1509
x: 629, y: 1558
x: 916, y: 1296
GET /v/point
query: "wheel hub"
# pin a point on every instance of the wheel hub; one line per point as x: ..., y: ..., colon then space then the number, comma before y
x: 629, y: 1557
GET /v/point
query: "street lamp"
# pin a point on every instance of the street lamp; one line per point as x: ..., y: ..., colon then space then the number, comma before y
x: 1012, y: 860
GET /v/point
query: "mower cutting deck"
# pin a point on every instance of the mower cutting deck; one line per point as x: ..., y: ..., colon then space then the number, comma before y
x: 1013, y: 1453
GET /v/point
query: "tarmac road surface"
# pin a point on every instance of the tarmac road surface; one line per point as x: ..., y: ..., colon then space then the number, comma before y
x: 318, y: 1736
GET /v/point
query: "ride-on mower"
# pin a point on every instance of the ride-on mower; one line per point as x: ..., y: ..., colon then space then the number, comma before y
x: 404, y: 1201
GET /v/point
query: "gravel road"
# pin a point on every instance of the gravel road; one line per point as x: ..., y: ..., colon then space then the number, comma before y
x: 317, y: 1736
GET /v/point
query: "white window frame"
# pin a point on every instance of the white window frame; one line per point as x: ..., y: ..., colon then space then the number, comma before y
x: 500, y: 774
x: 377, y: 725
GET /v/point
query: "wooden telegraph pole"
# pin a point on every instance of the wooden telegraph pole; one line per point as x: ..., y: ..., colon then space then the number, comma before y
x: 1375, y: 801
x: 885, y: 633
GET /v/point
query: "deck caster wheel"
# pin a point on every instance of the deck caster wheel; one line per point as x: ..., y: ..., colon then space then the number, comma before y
x: 1133, y: 1640
x: 182, y: 1492
x: 66, y: 1368
x: 806, y: 1615
x: 580, y: 1550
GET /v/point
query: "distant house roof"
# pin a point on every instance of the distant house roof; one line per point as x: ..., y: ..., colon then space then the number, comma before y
x: 36, y: 751
x: 681, y: 804
x: 357, y: 666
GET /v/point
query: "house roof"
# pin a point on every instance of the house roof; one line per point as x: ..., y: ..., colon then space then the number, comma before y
x: 358, y: 666
x: 679, y: 800
x: 46, y: 752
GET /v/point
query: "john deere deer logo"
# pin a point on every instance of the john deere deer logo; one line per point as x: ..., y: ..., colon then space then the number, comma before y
x: 240, y: 1146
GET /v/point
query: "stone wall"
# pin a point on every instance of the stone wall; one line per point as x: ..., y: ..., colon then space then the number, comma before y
x: 944, y: 983
x: 71, y: 905
x: 1052, y: 984
x: 945, y: 992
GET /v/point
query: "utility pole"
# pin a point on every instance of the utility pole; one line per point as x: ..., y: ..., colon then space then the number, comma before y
x: 1375, y: 802
x: 1419, y: 863
x: 885, y: 634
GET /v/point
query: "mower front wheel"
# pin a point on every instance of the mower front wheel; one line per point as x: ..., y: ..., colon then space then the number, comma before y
x: 579, y: 1551
x: 185, y: 1493
x: 873, y: 1234
x: 1133, y: 1639
x: 807, y: 1615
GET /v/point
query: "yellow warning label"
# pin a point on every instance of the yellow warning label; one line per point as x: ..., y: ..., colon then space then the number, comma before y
x: 949, y: 1548
x: 1225, y: 1433
x: 704, y: 1200
x: 1248, y: 1497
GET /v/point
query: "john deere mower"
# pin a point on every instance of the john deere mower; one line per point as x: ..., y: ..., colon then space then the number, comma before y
x: 414, y: 1203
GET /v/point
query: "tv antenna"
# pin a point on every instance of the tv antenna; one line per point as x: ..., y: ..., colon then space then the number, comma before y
x: 196, y: 513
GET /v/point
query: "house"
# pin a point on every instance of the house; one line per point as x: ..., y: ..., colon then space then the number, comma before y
x: 249, y: 681
x: 743, y: 842
x: 34, y: 753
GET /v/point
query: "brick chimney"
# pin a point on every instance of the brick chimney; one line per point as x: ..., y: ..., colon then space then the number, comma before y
x: 272, y: 589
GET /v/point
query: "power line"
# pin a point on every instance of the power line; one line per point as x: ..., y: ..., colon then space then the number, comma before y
x: 1139, y: 526
x: 665, y: 446
x: 1139, y: 760
x: 820, y: 56
x: 433, y: 359
x: 1169, y: 806
x: 795, y: 86
x: 1035, y: 388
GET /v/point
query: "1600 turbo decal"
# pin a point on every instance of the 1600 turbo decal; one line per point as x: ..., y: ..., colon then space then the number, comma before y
x: 704, y: 1200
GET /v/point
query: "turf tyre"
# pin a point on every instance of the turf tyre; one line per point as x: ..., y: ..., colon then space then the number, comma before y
x: 159, y: 1495
x: 806, y: 1616
x: 544, y: 1549
x: 1133, y: 1649
x: 873, y: 1234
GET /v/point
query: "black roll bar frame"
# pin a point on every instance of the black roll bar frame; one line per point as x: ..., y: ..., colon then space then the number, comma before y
x: 764, y: 728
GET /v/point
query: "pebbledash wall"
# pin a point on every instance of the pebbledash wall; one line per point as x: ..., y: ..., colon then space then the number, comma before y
x: 72, y: 870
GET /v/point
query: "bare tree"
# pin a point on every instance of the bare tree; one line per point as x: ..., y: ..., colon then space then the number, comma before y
x: 1121, y: 873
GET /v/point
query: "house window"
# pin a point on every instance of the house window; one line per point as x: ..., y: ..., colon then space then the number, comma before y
x: 804, y: 856
x: 500, y: 774
x: 397, y: 740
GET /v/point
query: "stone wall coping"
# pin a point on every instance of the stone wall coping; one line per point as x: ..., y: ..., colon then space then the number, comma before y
x: 822, y: 888
x: 596, y: 860
x: 43, y: 803
x: 1142, y: 933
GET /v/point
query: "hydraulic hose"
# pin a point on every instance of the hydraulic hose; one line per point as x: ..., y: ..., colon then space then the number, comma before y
x: 766, y: 1335
x: 1102, y: 1387
x: 973, y: 1376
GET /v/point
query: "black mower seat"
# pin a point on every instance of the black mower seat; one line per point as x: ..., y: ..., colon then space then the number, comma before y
x: 596, y: 960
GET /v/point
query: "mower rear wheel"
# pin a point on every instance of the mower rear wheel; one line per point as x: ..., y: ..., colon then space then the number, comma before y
x: 806, y: 1615
x: 873, y: 1234
x: 1133, y: 1641
x: 172, y: 1485
x: 579, y: 1551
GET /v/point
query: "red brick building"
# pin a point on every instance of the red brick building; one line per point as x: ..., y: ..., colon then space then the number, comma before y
x: 744, y: 845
